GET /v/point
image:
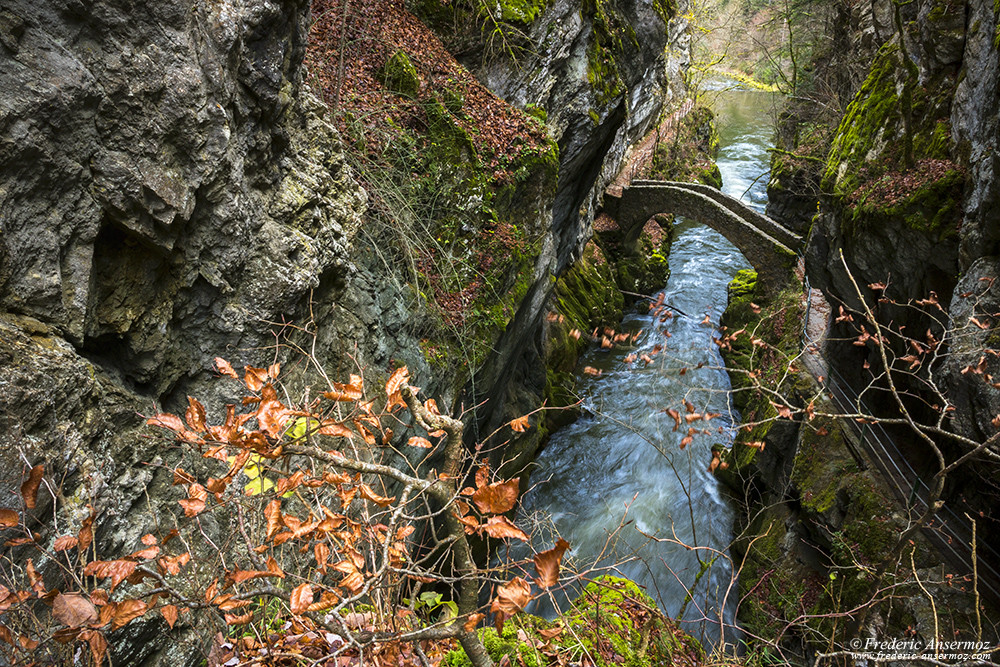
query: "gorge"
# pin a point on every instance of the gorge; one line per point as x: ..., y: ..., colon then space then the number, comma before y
x: 346, y: 190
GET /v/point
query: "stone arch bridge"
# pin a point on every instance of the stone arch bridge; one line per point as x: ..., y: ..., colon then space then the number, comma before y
x: 769, y: 247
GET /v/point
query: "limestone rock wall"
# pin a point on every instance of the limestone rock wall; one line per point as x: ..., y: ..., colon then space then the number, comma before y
x: 603, y: 72
x: 931, y: 91
x: 167, y: 190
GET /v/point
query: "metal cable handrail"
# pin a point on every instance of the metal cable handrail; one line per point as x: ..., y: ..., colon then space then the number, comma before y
x: 880, y: 446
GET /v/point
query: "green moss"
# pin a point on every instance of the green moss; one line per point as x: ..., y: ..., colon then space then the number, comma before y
x: 873, y: 112
x: 769, y: 590
x: 506, y: 645
x: 400, y: 76
x: 606, y: 46
x: 710, y: 176
x: 648, y: 269
x: 868, y: 523
x: 447, y: 138
x: 537, y: 112
x: 520, y: 11
x: 821, y: 462
x: 776, y: 323
x: 690, y: 154
x: 878, y: 170
x: 613, y: 623
x: 666, y: 10
x: 585, y: 297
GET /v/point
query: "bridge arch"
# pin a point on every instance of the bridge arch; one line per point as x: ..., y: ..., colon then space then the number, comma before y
x: 769, y: 247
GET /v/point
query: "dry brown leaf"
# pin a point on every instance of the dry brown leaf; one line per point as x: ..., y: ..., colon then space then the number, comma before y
x: 194, y: 504
x: 65, y: 543
x: 195, y: 415
x: 116, y: 570
x: 500, y: 528
x: 254, y: 378
x: 127, y: 610
x: 335, y: 429
x: 169, y: 613
x: 232, y: 619
x: 86, y: 534
x: 73, y: 610
x: 520, y: 425
x: 301, y: 598
x: 496, y: 498
x: 35, y: 579
x: 417, y: 441
x: 173, y: 564
x: 225, y: 368
x: 273, y: 515
x: 547, y: 564
x: 367, y: 493
x: 29, y: 489
x: 98, y: 645
x: 473, y: 621
x: 396, y: 380
x: 512, y: 597
x: 9, y: 519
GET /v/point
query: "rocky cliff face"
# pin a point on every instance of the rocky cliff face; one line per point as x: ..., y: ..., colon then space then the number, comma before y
x: 170, y: 191
x: 902, y: 186
x: 603, y: 73
x: 911, y: 184
x: 167, y: 191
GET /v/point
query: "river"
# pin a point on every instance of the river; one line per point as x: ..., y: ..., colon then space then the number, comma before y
x: 622, y: 461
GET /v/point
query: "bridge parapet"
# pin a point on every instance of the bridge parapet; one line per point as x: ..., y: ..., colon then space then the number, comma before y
x: 761, y: 240
x: 767, y: 225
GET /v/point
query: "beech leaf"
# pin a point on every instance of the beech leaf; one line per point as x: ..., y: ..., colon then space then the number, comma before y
x: 473, y: 621
x: 520, y: 425
x: 169, y: 613
x: 301, y: 598
x: 73, y: 610
x: 29, y: 489
x: 547, y: 564
x: 254, y: 378
x: 8, y: 519
x: 195, y: 415
x: 512, y: 597
x: 367, y: 493
x: 167, y: 421
x: 65, y: 543
x: 225, y: 368
x: 194, y: 504
x: 496, y: 498
x: 500, y: 528
x: 127, y: 610
x: 116, y: 570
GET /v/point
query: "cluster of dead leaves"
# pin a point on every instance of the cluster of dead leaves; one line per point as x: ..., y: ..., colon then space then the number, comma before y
x: 299, y: 638
x: 369, y: 34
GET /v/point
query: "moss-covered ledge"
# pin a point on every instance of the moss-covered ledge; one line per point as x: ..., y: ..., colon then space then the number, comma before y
x: 612, y: 623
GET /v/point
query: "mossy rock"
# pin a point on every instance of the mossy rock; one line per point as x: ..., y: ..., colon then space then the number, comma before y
x: 520, y: 11
x: 447, y: 138
x: 400, y: 76
x: 584, y: 298
x: 891, y: 154
x: 821, y: 463
x: 690, y: 155
x: 777, y: 322
x: 613, y: 623
x: 649, y: 268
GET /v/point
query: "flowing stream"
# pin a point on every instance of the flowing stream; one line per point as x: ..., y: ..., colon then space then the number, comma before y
x: 622, y: 461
